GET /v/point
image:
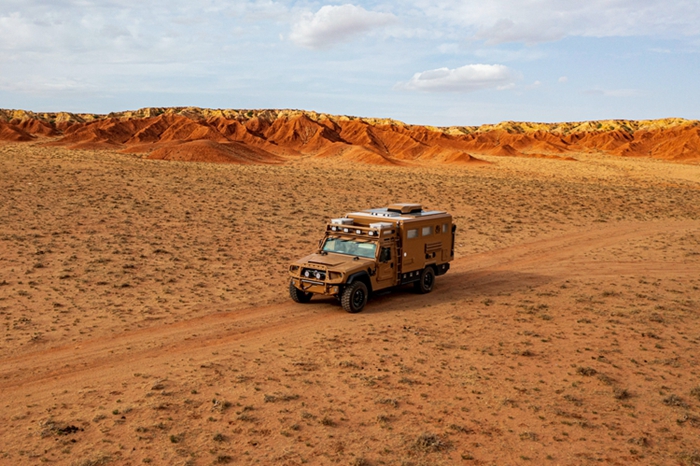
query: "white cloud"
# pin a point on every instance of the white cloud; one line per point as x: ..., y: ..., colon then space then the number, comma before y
x: 449, y: 49
x: 506, y: 30
x: 333, y: 24
x: 46, y: 85
x: 536, y: 21
x: 495, y: 54
x: 467, y: 78
x: 123, y: 30
x: 613, y: 92
x: 15, y: 30
x: 563, y: 79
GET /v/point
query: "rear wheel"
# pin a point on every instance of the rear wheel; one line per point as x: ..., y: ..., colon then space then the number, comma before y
x: 354, y: 297
x: 297, y: 295
x: 426, y: 281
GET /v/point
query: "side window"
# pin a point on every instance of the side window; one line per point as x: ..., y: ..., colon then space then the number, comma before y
x: 385, y: 255
x: 427, y: 230
x: 444, y: 228
x: 412, y: 233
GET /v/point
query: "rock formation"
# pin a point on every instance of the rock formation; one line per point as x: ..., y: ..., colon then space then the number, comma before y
x: 276, y: 136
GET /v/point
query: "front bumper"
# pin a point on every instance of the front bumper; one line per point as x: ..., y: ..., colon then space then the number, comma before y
x: 315, y: 286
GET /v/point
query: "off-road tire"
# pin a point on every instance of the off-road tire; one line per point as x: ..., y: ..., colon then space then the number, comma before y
x: 427, y: 280
x: 354, y: 297
x: 297, y: 295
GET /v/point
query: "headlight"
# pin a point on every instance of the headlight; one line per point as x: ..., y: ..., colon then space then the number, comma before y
x: 314, y: 274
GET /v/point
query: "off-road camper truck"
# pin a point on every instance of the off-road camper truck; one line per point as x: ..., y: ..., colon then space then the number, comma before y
x: 376, y: 249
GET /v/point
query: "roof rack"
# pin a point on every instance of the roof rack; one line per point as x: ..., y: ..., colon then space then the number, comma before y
x: 349, y: 229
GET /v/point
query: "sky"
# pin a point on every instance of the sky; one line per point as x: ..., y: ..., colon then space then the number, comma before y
x: 430, y: 62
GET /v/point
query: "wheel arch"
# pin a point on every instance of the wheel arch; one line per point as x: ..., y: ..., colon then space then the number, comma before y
x: 433, y: 266
x: 360, y: 276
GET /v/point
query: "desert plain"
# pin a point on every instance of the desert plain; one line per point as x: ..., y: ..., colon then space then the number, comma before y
x: 145, y: 315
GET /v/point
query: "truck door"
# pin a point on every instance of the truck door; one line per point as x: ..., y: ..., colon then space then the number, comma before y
x: 386, y: 268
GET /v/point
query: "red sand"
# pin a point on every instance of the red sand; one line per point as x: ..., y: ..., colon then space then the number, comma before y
x: 146, y: 318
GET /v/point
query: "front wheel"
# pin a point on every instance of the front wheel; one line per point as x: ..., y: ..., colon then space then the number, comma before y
x: 297, y: 295
x: 354, y: 297
x: 426, y: 282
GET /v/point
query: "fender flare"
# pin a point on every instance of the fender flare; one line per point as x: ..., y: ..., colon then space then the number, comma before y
x: 362, y: 276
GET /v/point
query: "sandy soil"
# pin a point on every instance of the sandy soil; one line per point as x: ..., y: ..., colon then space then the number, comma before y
x: 145, y: 317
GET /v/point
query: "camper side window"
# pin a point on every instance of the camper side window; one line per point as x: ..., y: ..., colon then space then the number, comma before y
x: 412, y: 233
x: 444, y: 228
x: 427, y: 230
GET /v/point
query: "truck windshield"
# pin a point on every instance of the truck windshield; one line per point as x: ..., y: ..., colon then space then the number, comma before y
x: 350, y: 247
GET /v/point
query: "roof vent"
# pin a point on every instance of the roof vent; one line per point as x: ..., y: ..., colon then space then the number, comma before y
x: 405, y: 208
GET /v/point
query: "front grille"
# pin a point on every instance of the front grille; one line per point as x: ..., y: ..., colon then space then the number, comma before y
x: 313, y: 274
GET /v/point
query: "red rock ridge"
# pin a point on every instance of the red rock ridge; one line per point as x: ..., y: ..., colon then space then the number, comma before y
x: 275, y: 136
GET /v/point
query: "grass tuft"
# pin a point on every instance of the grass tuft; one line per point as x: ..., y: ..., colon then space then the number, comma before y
x: 429, y: 442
